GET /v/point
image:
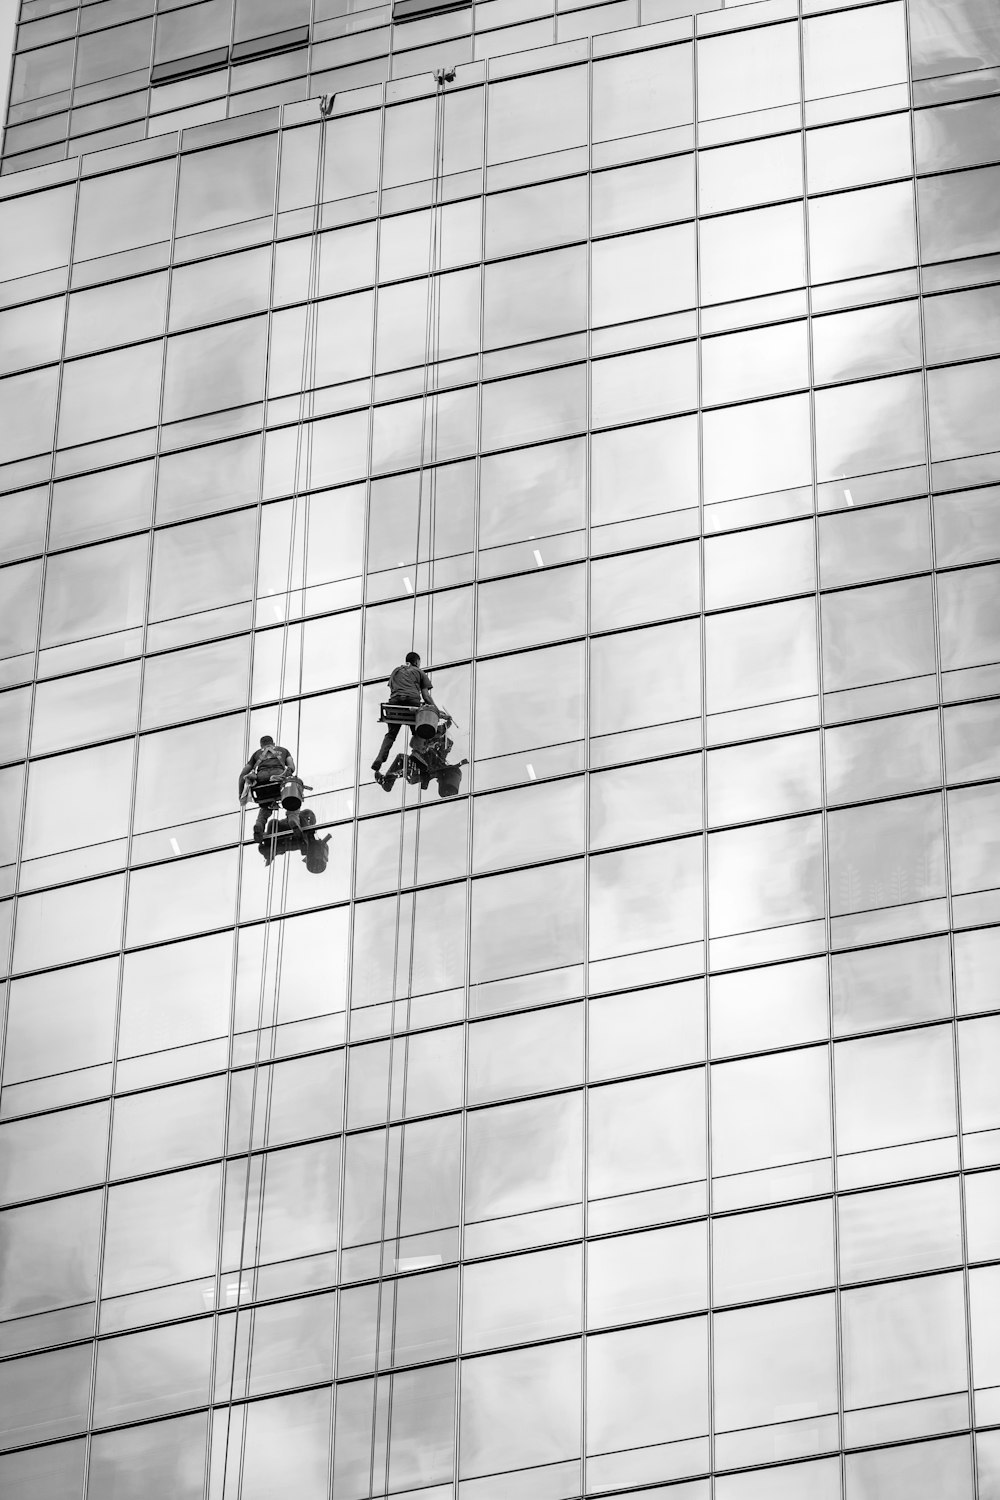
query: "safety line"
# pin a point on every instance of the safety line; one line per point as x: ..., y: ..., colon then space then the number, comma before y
x: 428, y: 423
x: 308, y: 371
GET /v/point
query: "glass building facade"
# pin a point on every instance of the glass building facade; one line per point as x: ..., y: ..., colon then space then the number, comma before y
x: 631, y: 1120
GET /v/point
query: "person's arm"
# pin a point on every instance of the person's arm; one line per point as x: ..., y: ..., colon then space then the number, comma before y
x: 425, y: 691
x: 289, y: 764
x: 246, y: 772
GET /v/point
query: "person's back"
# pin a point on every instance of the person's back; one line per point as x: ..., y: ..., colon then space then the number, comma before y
x: 409, y: 681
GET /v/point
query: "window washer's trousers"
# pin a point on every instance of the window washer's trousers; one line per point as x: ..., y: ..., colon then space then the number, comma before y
x: 393, y: 729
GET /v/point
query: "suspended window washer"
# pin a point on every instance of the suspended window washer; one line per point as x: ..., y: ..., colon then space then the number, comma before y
x: 409, y: 689
x: 426, y: 757
x: 269, y: 779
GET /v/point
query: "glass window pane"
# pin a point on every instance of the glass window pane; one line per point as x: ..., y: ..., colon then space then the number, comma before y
x: 529, y: 823
x: 227, y: 184
x: 748, y: 70
x: 946, y: 41
x: 862, y: 428
x: 868, y: 341
x: 651, y: 800
x: 68, y: 923
x: 519, y: 1298
x: 148, y: 1374
x: 531, y: 408
x: 50, y: 1258
x: 765, y: 876
x: 647, y: 1133
x: 643, y: 586
x: 644, y: 1030
x: 544, y: 906
x: 854, y: 51
x: 215, y: 367
x: 163, y: 1455
x: 642, y: 91
x: 774, y: 1007
x: 534, y: 297
x: 59, y: 1022
x: 913, y: 1471
x: 886, y: 855
x: 860, y: 233
x: 125, y: 210
x: 775, y: 1359
x: 628, y: 909
x: 752, y: 253
x: 654, y: 383
x: 532, y: 609
x: 970, y: 617
x: 877, y: 634
x: 641, y: 471
x: 525, y: 1054
x: 842, y: 156
x: 764, y: 779
x: 959, y: 214
x: 772, y: 1253
x: 890, y: 986
x: 757, y: 449
x: 646, y: 1386
x: 624, y: 666
x: 202, y: 566
x: 529, y: 700
x: 224, y: 288
x: 541, y: 112
x: 771, y: 1112
x: 892, y: 1090
x: 899, y: 1230
x: 644, y: 275
x: 99, y: 505
x: 35, y: 232
x: 49, y: 1473
x: 759, y: 363
x: 506, y: 1174
x: 30, y: 335
x: 651, y: 192
x: 748, y: 174
x: 520, y: 1409
x: 29, y: 403
x: 747, y: 566
x: 637, y: 1276
x: 856, y: 545
x: 161, y: 1230
x: 533, y: 217
x: 170, y: 1127
x: 903, y: 1341
x: 110, y: 393
x: 116, y: 314
x: 44, y: 1396
x: 761, y: 655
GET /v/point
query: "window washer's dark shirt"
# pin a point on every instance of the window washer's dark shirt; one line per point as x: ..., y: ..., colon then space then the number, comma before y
x: 269, y: 763
x: 409, y: 683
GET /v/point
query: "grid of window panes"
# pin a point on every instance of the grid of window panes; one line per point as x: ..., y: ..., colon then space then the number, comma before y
x: 630, y: 1119
x: 96, y: 75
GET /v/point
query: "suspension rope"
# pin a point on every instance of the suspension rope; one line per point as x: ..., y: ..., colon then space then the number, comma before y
x: 306, y: 398
x: 428, y: 439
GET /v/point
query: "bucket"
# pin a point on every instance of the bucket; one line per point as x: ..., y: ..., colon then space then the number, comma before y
x: 426, y: 723
x: 449, y: 781
x: 291, y: 794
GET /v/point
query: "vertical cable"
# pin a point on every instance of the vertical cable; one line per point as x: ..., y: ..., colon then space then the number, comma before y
x: 305, y: 399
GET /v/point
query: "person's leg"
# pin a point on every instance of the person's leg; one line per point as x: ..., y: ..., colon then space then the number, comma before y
x: 261, y: 822
x: 385, y: 747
